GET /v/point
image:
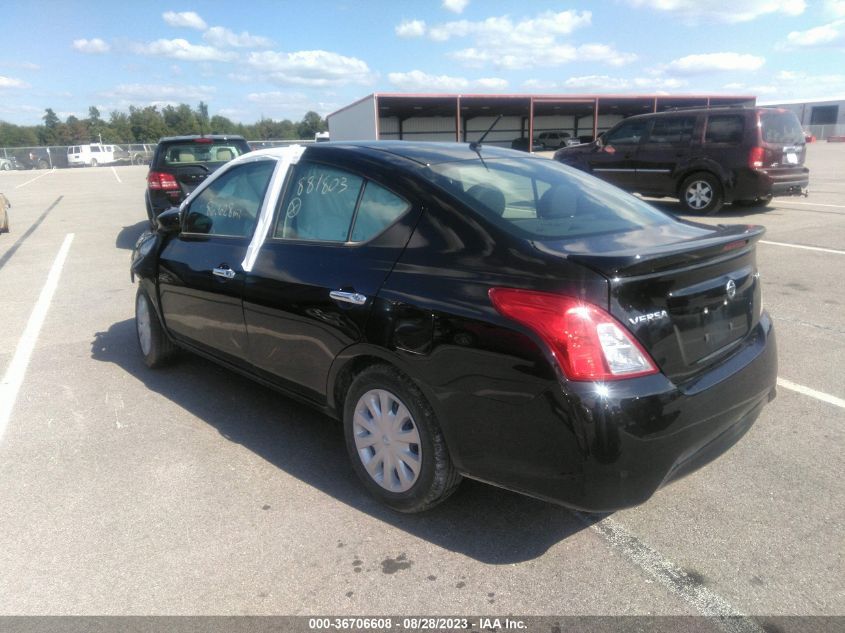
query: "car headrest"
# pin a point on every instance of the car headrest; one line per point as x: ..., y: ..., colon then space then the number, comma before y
x: 186, y: 157
x: 558, y: 202
x: 490, y: 196
x: 225, y: 153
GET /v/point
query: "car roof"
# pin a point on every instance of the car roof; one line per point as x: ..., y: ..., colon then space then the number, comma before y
x: 191, y: 137
x: 425, y: 153
x: 706, y: 110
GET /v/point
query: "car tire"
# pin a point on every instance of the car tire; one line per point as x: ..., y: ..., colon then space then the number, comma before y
x: 390, y: 428
x: 756, y: 203
x: 701, y: 193
x: 43, y: 164
x: 93, y: 162
x: 7, y: 166
x: 156, y: 348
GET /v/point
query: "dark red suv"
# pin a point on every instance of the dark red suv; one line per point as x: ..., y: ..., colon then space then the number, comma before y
x: 180, y: 163
x: 705, y: 157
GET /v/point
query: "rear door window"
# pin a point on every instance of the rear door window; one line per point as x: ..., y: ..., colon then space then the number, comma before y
x: 724, y: 128
x: 378, y: 209
x: 188, y: 153
x: 671, y: 131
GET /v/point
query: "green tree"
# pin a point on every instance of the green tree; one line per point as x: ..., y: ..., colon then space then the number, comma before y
x: 221, y: 125
x: 17, y: 135
x: 202, y: 116
x: 311, y: 124
x: 48, y: 133
x: 96, y: 126
x: 180, y: 119
x: 120, y: 128
x: 147, y: 124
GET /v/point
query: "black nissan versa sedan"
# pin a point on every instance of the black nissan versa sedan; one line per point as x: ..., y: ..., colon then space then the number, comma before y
x: 468, y: 311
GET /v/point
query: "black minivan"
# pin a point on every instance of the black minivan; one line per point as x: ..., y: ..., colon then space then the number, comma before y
x: 705, y: 157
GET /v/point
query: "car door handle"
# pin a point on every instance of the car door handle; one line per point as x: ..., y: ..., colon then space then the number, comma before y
x: 224, y: 272
x: 355, y: 298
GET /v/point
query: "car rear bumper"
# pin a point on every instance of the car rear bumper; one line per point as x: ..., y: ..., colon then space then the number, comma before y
x: 603, y: 448
x: 763, y: 183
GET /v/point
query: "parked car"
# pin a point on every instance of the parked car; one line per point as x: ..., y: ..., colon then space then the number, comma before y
x: 33, y: 158
x: 141, y: 154
x: 705, y: 157
x: 468, y: 312
x: 521, y: 144
x: 94, y: 154
x: 5, y: 205
x: 7, y: 164
x: 555, y: 140
x: 180, y: 163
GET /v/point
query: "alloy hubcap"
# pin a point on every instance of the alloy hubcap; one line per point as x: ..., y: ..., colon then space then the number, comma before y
x: 387, y: 440
x: 142, y: 322
x: 699, y: 194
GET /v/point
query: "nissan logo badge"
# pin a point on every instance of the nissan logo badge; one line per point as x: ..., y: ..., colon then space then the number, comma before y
x: 731, y: 289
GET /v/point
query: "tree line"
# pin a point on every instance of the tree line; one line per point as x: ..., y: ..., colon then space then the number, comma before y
x: 150, y: 123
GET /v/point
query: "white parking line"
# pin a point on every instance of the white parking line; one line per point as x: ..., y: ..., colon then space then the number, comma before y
x: 116, y: 176
x: 13, y: 379
x: 806, y: 248
x: 818, y: 395
x: 24, y: 184
x: 672, y: 577
x: 816, y: 204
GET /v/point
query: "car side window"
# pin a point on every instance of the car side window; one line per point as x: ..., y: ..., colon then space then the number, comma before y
x: 319, y: 204
x: 724, y: 128
x: 230, y: 205
x: 672, y: 130
x: 628, y: 133
x: 377, y: 210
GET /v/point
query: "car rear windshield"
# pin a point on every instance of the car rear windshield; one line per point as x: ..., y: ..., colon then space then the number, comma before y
x: 537, y: 198
x: 191, y: 153
x: 781, y: 127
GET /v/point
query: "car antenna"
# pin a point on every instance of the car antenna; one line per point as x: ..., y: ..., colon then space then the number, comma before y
x: 475, y: 146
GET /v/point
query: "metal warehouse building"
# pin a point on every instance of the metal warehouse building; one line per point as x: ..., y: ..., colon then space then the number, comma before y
x: 464, y: 118
x: 823, y: 119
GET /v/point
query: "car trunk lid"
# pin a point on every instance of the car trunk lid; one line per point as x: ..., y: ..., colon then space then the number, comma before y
x: 689, y: 303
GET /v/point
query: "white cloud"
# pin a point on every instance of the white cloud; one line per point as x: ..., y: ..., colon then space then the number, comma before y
x: 836, y: 7
x: 159, y: 92
x: 825, y: 35
x: 410, y: 28
x: 187, y: 19
x: 420, y: 81
x: 94, y: 46
x: 455, y: 6
x: 222, y: 37
x: 715, y: 62
x: 736, y: 11
x: 184, y: 50
x: 607, y: 83
x: 503, y: 42
x: 311, y: 68
x: 12, y: 82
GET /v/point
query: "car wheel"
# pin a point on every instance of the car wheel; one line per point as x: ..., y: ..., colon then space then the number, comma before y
x: 701, y: 193
x: 756, y: 203
x: 7, y: 166
x: 156, y: 348
x: 395, y: 443
x: 43, y: 164
x: 93, y: 162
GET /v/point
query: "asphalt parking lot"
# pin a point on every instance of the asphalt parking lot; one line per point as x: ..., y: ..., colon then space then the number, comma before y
x: 191, y: 490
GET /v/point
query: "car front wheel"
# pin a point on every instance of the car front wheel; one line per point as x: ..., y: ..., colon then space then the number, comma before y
x: 701, y: 193
x: 395, y: 443
x: 156, y: 348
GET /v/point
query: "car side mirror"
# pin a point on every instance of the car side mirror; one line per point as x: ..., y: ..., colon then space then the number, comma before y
x: 169, y: 221
x: 600, y: 141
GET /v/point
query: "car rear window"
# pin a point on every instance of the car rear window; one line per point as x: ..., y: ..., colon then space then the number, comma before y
x: 541, y: 199
x: 781, y: 127
x: 191, y: 153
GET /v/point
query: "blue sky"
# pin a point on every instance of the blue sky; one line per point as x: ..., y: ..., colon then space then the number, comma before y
x: 280, y: 59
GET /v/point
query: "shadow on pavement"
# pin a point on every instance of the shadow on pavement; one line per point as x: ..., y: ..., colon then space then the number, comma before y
x: 487, y: 524
x: 129, y: 235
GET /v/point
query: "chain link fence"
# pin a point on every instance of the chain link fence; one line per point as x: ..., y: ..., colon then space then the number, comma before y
x: 55, y: 156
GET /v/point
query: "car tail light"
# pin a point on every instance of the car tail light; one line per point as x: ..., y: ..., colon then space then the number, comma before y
x: 163, y: 181
x: 755, y: 158
x: 587, y: 342
x: 202, y: 139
